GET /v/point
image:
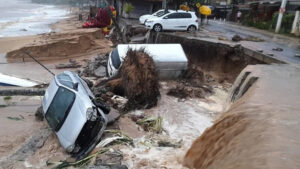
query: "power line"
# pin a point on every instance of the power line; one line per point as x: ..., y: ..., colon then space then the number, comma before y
x: 39, y: 63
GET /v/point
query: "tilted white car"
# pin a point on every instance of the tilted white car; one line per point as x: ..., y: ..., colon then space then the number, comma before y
x: 72, y: 114
x: 179, y: 20
x: 158, y: 13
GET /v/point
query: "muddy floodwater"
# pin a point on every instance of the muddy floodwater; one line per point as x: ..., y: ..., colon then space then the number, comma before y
x: 183, y: 121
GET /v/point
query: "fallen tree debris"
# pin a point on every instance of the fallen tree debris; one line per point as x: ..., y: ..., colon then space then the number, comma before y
x: 118, y: 138
x: 22, y: 92
x: 109, y: 160
x: 191, y: 89
x: 182, y: 92
x: 164, y: 143
x: 137, y: 80
x: 80, y: 163
x: 153, y: 124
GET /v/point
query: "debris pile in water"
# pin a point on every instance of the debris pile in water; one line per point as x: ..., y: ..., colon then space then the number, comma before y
x: 153, y: 124
x: 137, y: 80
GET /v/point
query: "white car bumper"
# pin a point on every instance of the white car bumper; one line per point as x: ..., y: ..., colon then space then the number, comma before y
x: 149, y: 25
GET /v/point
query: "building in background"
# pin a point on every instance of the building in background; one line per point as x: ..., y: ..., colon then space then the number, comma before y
x: 141, y: 7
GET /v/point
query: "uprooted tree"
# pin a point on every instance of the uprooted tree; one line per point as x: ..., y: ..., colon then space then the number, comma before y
x: 137, y: 79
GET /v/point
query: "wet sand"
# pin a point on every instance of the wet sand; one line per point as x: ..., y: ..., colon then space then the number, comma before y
x: 260, y: 129
x: 17, y: 122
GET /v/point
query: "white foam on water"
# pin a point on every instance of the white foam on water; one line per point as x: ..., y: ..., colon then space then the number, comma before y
x: 182, y: 121
x: 29, y: 19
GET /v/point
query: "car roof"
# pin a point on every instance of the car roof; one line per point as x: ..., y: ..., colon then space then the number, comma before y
x: 159, y: 52
x: 181, y: 11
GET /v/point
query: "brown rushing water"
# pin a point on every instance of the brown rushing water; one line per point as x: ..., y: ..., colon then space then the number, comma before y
x: 182, y: 121
x: 260, y: 130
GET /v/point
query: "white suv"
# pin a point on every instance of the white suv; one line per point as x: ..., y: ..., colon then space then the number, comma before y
x: 178, y: 20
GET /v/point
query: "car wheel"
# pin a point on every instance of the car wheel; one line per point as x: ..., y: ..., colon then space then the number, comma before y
x: 157, y: 27
x: 192, y: 28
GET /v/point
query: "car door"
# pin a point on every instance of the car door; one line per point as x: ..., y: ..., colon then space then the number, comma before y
x: 169, y: 21
x: 183, y: 20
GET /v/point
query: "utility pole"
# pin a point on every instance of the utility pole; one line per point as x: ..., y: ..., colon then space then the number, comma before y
x: 295, y: 28
x: 114, y: 20
x: 164, y: 4
x: 281, y: 12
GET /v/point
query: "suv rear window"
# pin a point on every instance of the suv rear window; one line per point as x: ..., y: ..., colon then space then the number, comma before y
x: 60, y: 108
x: 115, y: 58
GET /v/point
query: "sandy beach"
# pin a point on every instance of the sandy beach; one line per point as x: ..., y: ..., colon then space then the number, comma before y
x: 67, y: 40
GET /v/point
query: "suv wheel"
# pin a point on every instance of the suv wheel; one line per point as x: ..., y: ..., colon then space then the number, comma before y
x: 157, y: 27
x: 192, y: 28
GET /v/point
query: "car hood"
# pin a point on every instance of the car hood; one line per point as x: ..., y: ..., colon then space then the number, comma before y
x: 154, y: 19
x: 145, y: 16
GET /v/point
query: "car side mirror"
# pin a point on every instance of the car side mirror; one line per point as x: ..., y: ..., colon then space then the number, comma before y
x: 165, y: 17
x: 75, y: 86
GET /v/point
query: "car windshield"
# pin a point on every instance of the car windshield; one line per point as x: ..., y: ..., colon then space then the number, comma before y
x: 115, y: 58
x: 158, y: 13
x: 59, y: 108
x: 162, y: 14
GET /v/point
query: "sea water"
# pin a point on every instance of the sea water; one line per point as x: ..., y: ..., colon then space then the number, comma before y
x: 21, y: 17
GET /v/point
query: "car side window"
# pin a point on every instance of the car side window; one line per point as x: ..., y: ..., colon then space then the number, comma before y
x: 159, y: 13
x: 171, y: 16
x: 184, y: 15
x: 115, y: 58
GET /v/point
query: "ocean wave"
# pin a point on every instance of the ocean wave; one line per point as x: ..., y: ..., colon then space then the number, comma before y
x: 30, y: 19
